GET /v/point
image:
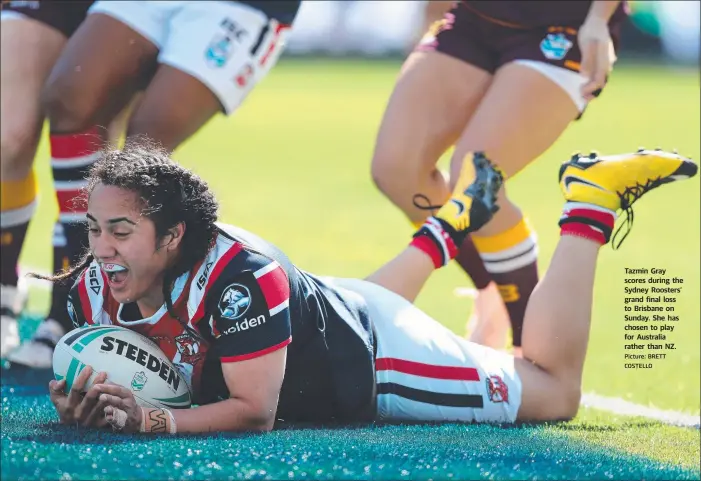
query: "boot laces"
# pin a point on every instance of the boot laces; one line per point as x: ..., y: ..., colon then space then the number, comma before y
x: 628, y: 197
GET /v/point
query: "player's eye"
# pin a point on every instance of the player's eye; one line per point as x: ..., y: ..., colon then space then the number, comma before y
x: 120, y: 235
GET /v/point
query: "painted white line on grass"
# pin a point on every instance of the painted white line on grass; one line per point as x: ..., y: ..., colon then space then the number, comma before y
x: 626, y: 408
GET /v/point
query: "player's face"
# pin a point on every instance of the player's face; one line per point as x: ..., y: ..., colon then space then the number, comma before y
x: 124, y: 242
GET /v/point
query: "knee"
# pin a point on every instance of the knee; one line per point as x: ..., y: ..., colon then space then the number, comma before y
x: 394, y: 172
x: 567, y: 404
x: 383, y: 168
x: 67, y: 108
x: 18, y: 144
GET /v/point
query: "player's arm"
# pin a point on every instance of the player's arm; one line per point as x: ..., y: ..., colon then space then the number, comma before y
x: 602, y: 9
x: 596, y: 47
x: 251, y: 324
x: 254, y: 387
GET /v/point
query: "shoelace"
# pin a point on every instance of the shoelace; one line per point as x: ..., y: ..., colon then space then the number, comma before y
x: 482, y: 171
x: 427, y: 205
x: 628, y: 197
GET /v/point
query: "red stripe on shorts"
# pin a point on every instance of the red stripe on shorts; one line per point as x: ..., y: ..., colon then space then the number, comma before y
x: 273, y: 43
x: 457, y: 373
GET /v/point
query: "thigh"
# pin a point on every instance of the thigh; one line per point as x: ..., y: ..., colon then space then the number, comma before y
x: 174, y: 106
x: 425, y: 372
x: 432, y: 101
x: 101, y: 67
x: 227, y: 46
x: 437, y: 91
x: 554, y: 53
x: 545, y: 397
x: 28, y: 51
x: 147, y: 18
x: 522, y: 115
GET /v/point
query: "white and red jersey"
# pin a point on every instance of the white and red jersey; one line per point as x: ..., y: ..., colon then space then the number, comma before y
x: 244, y: 300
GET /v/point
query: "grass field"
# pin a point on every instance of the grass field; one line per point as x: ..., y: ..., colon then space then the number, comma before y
x: 293, y: 166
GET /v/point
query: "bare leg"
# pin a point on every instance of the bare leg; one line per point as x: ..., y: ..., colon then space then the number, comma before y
x: 406, y: 274
x: 29, y: 51
x: 518, y: 98
x: 424, y: 117
x: 558, y: 317
x: 556, y: 332
x: 168, y: 122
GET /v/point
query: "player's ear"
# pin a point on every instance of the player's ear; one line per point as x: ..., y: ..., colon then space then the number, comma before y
x: 174, y: 236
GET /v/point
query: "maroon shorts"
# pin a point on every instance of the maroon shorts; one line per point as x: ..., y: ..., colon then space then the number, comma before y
x: 64, y: 16
x: 488, y: 43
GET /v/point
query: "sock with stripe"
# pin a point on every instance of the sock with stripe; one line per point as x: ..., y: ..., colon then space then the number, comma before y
x: 18, y: 201
x: 438, y: 240
x: 511, y: 258
x: 470, y: 261
x: 72, y: 156
x: 588, y: 221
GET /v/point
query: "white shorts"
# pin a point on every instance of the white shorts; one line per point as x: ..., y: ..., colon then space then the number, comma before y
x: 425, y: 372
x: 227, y: 46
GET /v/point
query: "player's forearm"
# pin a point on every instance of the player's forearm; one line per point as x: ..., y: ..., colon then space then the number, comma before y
x: 228, y: 415
x: 602, y: 10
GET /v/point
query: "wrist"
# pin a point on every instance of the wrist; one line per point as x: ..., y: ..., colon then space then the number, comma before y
x: 595, y: 19
x: 157, y: 420
x: 601, y: 11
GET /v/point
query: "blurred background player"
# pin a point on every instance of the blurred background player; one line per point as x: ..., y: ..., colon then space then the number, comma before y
x: 192, y: 59
x: 33, y: 36
x: 506, y: 78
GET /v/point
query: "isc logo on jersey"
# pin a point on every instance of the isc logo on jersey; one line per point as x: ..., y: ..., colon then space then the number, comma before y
x: 233, y: 304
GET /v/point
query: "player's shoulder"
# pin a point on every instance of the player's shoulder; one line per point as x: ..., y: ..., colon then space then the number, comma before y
x: 235, y: 269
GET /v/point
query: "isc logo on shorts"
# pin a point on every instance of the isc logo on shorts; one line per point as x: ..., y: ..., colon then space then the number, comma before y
x: 221, y: 47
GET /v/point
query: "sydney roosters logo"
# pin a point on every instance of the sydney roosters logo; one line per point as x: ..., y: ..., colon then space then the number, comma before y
x: 188, y: 348
x: 497, y: 390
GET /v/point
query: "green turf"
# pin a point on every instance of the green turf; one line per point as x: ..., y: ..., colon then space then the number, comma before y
x: 34, y: 446
x: 293, y: 166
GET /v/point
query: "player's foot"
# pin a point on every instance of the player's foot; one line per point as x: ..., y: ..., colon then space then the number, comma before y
x: 489, y: 322
x: 474, y: 198
x: 612, y: 183
x: 38, y: 352
x: 471, y: 206
x: 12, y: 300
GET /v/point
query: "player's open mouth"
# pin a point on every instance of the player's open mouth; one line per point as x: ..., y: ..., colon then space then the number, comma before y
x: 116, y: 274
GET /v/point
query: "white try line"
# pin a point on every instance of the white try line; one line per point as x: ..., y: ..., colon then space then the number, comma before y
x: 626, y: 408
x: 602, y: 403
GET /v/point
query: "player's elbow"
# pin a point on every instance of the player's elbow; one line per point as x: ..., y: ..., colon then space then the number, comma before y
x: 261, y: 422
x: 253, y: 417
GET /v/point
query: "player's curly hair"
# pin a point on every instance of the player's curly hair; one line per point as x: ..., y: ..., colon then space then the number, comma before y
x: 170, y: 194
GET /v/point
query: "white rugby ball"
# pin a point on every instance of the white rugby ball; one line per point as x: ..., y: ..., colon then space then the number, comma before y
x: 129, y: 359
